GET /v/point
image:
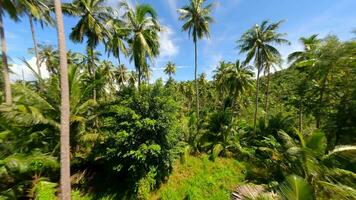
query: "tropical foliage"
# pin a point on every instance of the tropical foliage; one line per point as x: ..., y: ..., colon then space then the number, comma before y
x: 252, y: 129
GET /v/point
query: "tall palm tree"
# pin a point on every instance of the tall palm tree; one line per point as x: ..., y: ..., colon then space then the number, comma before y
x: 121, y: 75
x: 36, y: 10
x: 170, y: 69
x: 65, y: 104
x: 196, y: 21
x: 116, y: 43
x: 258, y: 42
x: 296, y: 58
x: 92, y: 24
x: 8, y: 7
x: 142, y: 23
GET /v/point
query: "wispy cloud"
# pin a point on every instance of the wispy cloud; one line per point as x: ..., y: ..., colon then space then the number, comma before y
x: 168, y: 47
x: 22, y: 71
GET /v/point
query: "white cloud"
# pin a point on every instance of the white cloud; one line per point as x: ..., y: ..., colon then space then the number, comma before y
x: 20, y: 70
x: 168, y: 48
x: 172, y: 4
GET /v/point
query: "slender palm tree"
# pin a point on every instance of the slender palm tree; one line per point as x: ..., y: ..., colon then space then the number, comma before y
x: 92, y: 24
x: 65, y: 104
x: 38, y: 11
x: 116, y: 44
x: 8, y: 7
x: 121, y: 75
x: 142, y: 23
x: 258, y: 42
x: 132, y: 78
x: 296, y: 58
x: 170, y: 69
x: 196, y: 21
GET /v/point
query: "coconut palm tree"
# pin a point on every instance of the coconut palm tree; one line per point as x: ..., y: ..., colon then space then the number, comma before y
x: 298, y: 58
x: 65, y: 185
x: 116, y: 43
x: 121, y: 75
x: 10, y: 9
x: 38, y: 11
x: 258, y: 43
x: 92, y: 24
x: 142, y: 23
x: 170, y: 69
x: 196, y: 21
x: 132, y: 78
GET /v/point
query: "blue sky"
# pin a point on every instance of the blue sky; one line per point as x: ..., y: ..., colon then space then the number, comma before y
x: 232, y: 18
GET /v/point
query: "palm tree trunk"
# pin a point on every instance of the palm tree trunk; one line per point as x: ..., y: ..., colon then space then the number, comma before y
x: 94, y: 71
x: 267, y: 94
x: 321, y: 98
x: 118, y: 56
x: 300, y: 117
x: 196, y: 83
x: 65, y: 187
x: 5, y: 67
x: 35, y: 45
x: 256, y: 103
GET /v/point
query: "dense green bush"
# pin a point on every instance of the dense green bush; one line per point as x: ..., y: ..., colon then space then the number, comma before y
x: 141, y: 130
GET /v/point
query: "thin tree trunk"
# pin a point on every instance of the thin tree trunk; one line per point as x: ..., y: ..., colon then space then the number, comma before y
x: 300, y: 117
x: 5, y: 67
x: 118, y: 56
x: 256, y: 103
x: 318, y: 117
x: 267, y: 94
x: 196, y: 83
x: 94, y: 72
x: 65, y: 187
x: 35, y: 46
x: 139, y: 78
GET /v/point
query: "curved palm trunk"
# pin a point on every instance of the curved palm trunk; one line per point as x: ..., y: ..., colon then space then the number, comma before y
x: 65, y: 187
x: 267, y: 94
x: 35, y: 45
x: 196, y: 83
x: 256, y: 103
x: 5, y: 67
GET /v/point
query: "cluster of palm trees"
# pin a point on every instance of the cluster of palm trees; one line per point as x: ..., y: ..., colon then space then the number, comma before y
x: 132, y: 32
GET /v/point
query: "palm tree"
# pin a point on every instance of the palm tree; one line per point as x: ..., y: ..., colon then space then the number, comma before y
x: 116, y: 43
x: 36, y: 10
x: 233, y: 79
x: 170, y: 69
x: 121, y: 75
x: 258, y: 43
x: 296, y: 58
x: 65, y: 110
x: 197, y: 19
x: 8, y: 7
x: 92, y: 24
x: 142, y: 23
x: 132, y: 78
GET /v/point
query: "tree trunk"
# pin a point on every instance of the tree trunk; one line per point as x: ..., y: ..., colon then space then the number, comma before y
x: 65, y: 187
x: 35, y: 46
x: 5, y: 67
x: 118, y: 56
x: 196, y: 83
x: 256, y: 103
x: 318, y: 117
x: 300, y: 117
x: 94, y: 72
x: 267, y: 94
x: 139, y: 77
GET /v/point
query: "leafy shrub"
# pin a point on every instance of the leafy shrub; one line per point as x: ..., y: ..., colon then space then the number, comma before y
x: 141, y: 131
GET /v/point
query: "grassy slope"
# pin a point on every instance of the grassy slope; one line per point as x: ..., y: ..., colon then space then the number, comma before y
x: 200, y: 178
